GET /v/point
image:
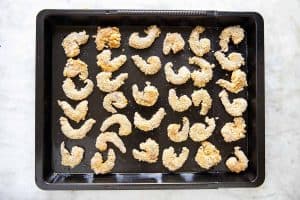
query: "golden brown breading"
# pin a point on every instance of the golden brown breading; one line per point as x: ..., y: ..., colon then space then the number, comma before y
x: 173, y: 42
x: 236, y: 108
x: 202, y: 97
x: 177, y: 135
x: 74, y: 94
x: 138, y: 42
x: 76, y: 114
x: 149, y: 153
x: 71, y: 159
x: 149, y: 124
x: 182, y: 76
x: 107, y: 64
x: 237, y: 83
x: 125, y: 125
x: 208, y: 155
x: 239, y: 163
x: 105, y: 84
x: 112, y: 137
x: 101, y: 167
x: 72, y: 42
x: 173, y: 162
x: 179, y: 104
x: 74, y: 67
x: 233, y: 131
x: 147, y: 97
x: 149, y: 67
x: 72, y: 133
x: 107, y: 37
x: 200, y: 132
x: 116, y: 99
x: 236, y: 33
x: 199, y: 47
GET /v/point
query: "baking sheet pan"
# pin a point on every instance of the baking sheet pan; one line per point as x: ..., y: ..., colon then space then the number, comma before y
x: 54, y: 25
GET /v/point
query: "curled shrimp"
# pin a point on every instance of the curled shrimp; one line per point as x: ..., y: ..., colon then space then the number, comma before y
x: 76, y: 114
x: 147, y: 97
x: 236, y: 108
x: 173, y: 42
x: 202, y: 97
x: 199, y: 47
x: 237, y: 83
x: 74, y: 94
x: 179, y: 104
x: 107, y: 64
x: 125, y: 125
x: 233, y: 62
x: 149, y: 153
x: 236, y: 33
x: 180, y: 78
x: 72, y: 133
x: 112, y: 137
x: 200, y: 132
x: 177, y: 135
x: 208, y: 155
x: 239, y: 163
x: 103, y: 167
x: 233, y: 131
x: 71, y: 159
x: 75, y: 67
x: 116, y: 99
x: 107, y: 37
x: 72, y: 42
x: 173, y: 162
x: 149, y: 124
x: 149, y: 67
x: 201, y: 78
x: 138, y: 42
x: 105, y: 83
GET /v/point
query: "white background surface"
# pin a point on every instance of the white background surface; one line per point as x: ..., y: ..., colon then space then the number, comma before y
x: 17, y: 83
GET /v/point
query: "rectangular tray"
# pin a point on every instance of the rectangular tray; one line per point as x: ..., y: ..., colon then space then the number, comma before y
x: 53, y: 25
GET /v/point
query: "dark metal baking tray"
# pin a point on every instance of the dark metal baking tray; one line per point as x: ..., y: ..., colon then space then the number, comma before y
x: 53, y: 25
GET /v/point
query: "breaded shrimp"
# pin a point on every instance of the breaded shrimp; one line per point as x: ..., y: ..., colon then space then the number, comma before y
x: 104, y: 138
x: 179, y: 136
x: 179, y: 104
x: 71, y: 159
x: 75, y: 134
x: 208, y: 155
x: 149, y: 67
x: 237, y: 83
x: 125, y: 125
x: 233, y: 62
x: 173, y: 42
x: 149, y: 124
x: 202, y: 97
x: 173, y: 162
x: 138, y: 42
x: 147, y: 97
x: 233, y: 131
x: 199, y: 47
x: 106, y: 85
x: 236, y: 33
x: 149, y: 153
x: 75, y: 67
x: 107, y: 37
x: 107, y: 64
x: 72, y: 42
x: 116, y: 99
x: 103, y: 167
x: 239, y: 163
x: 201, y: 78
x: 236, y: 108
x: 200, y: 132
x: 76, y: 114
x: 180, y: 78
x: 74, y: 94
